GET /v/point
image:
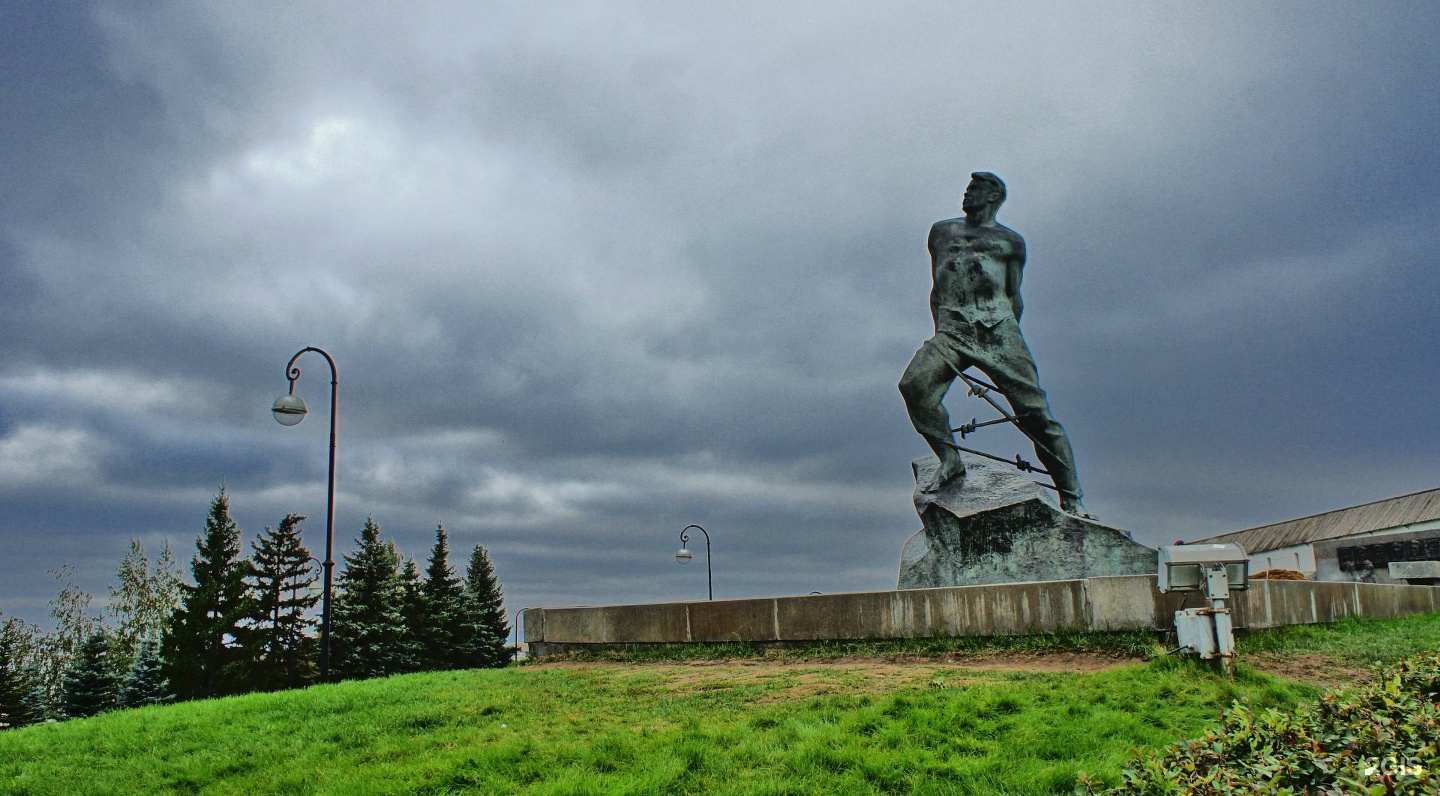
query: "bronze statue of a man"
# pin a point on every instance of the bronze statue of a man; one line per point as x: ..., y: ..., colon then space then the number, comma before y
x: 976, y: 265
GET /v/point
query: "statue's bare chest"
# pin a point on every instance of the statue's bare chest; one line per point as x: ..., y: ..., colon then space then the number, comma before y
x: 972, y: 258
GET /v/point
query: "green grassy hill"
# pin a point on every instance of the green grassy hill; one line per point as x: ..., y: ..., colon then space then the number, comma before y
x: 742, y: 727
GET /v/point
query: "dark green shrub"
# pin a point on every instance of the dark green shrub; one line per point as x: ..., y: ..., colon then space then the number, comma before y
x: 1378, y: 738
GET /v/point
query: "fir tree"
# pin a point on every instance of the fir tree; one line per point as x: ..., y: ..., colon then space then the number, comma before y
x: 412, y: 610
x: 20, y: 686
x: 487, y: 629
x: 443, y: 616
x: 142, y: 601
x: 204, y: 649
x: 146, y: 683
x: 90, y: 685
x: 367, y: 632
x: 280, y: 587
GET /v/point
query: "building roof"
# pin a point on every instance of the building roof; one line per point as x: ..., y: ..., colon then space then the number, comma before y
x: 1366, y: 518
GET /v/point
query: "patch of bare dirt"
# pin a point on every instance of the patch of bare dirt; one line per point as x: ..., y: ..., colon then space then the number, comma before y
x: 1044, y: 662
x: 790, y: 679
x: 1317, y: 670
x: 996, y: 662
x: 894, y: 665
x: 798, y: 678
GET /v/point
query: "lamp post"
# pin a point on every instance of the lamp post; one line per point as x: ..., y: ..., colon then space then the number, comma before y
x: 290, y: 410
x: 515, y: 625
x: 684, y: 555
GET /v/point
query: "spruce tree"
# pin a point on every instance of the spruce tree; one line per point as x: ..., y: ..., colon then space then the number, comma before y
x: 146, y: 683
x: 412, y: 610
x: 90, y: 686
x: 20, y: 686
x: 487, y: 631
x: 204, y: 648
x: 443, y: 617
x: 35, y: 703
x: 367, y: 634
x: 280, y: 583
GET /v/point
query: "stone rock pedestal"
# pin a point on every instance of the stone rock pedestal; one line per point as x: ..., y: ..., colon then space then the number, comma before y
x: 996, y: 526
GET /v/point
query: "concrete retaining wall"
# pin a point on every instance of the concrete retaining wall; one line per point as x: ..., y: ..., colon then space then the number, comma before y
x: 1293, y: 602
x: 1109, y: 604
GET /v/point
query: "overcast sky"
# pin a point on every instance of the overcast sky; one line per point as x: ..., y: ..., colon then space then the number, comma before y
x: 592, y: 272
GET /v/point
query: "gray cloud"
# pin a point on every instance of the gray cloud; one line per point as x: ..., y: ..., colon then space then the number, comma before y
x: 591, y: 273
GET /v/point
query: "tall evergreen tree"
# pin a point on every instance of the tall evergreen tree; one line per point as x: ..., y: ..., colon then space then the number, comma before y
x: 142, y: 600
x: 487, y: 629
x: 204, y: 648
x: 146, y: 683
x: 280, y: 582
x: 90, y: 685
x: 412, y: 609
x: 443, y: 616
x: 20, y: 685
x: 367, y: 634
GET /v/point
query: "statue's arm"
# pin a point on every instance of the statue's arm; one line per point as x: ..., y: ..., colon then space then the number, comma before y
x: 934, y: 286
x: 1016, y: 271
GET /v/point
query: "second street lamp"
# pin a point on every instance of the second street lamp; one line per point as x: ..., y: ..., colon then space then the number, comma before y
x: 684, y: 555
x: 290, y: 410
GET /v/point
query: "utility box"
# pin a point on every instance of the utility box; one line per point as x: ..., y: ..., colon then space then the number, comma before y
x: 1207, y: 632
x: 1216, y: 570
x: 1183, y: 567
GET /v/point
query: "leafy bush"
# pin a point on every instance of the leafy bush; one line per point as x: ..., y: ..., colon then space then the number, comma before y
x: 1378, y: 738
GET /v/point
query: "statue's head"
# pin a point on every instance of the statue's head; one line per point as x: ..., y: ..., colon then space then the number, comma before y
x: 985, y: 190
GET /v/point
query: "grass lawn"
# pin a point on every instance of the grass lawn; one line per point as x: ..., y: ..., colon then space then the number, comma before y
x: 1350, y: 641
x: 736, y: 727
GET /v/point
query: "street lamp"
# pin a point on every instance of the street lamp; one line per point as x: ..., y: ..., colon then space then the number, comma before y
x: 290, y: 410
x: 515, y: 625
x: 684, y: 555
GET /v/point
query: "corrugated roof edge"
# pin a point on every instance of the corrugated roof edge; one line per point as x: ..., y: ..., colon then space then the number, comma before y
x: 1364, y: 518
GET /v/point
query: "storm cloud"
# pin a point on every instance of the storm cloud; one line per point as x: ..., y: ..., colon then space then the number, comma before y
x: 592, y: 272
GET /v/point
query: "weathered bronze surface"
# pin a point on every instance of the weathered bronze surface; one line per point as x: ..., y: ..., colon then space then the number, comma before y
x: 997, y: 526
x: 976, y: 266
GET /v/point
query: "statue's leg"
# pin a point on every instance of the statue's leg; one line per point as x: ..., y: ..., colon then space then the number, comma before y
x: 1017, y: 378
x: 927, y: 378
x: 1052, y: 445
